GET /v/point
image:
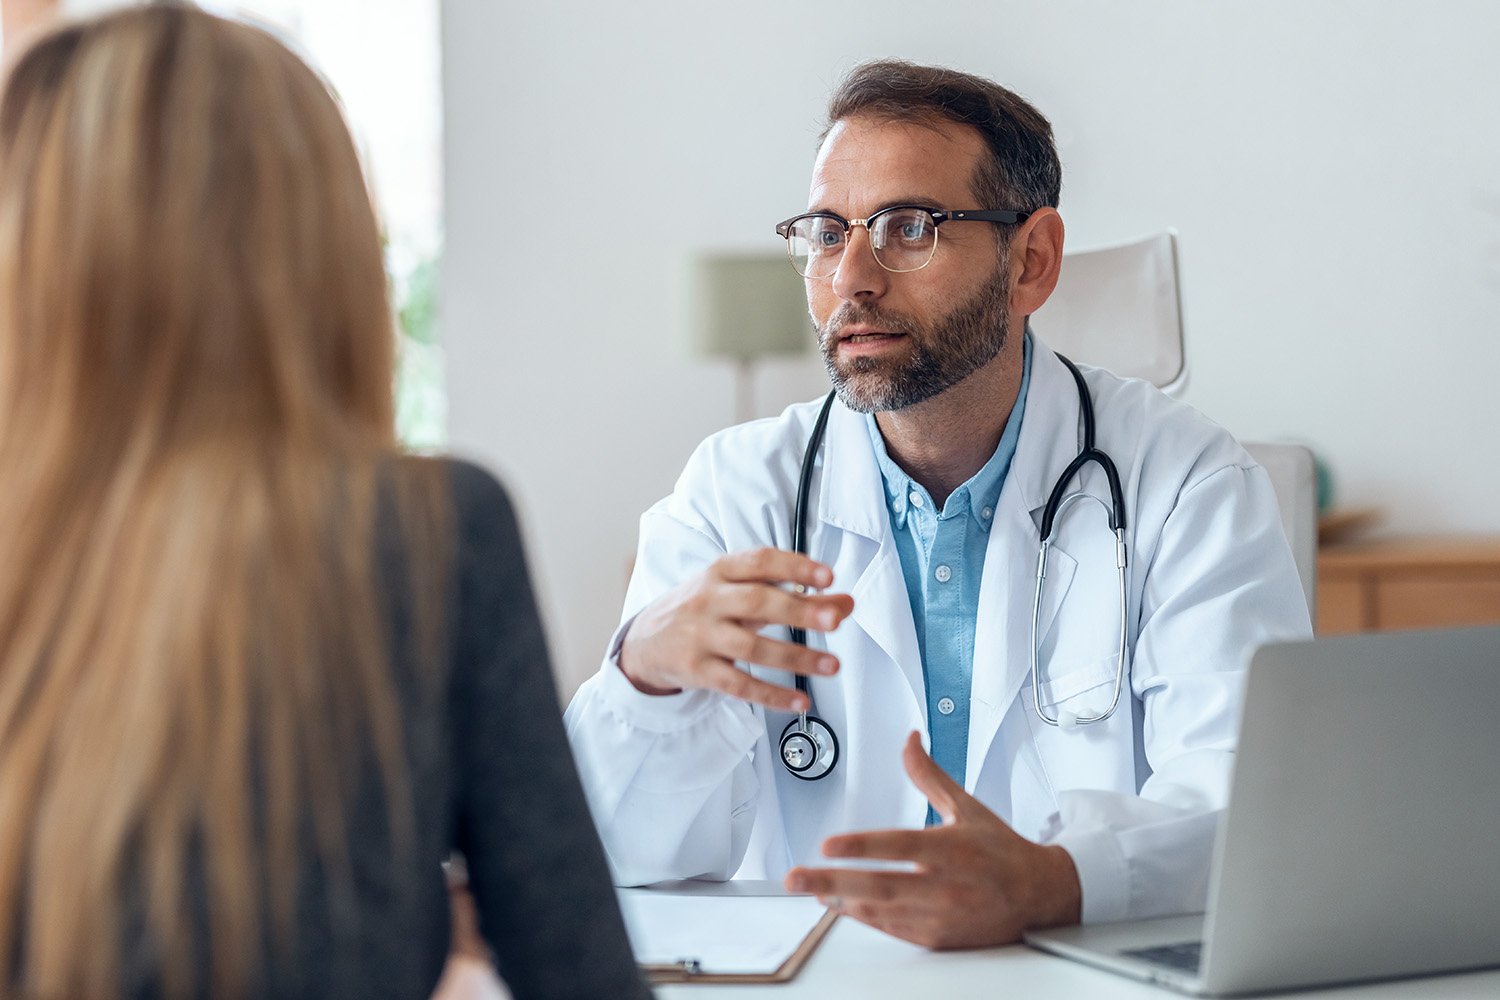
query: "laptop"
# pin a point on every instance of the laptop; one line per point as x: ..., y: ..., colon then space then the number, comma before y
x: 1362, y: 838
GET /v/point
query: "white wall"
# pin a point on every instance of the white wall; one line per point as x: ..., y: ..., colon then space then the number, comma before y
x: 1333, y: 168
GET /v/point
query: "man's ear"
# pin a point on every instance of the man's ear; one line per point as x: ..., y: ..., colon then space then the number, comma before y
x: 1035, y: 260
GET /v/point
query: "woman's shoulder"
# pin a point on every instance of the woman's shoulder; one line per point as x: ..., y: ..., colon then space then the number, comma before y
x: 472, y: 484
x: 478, y: 503
x: 468, y: 483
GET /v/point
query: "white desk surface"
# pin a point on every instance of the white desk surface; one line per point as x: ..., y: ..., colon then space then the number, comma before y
x: 855, y: 961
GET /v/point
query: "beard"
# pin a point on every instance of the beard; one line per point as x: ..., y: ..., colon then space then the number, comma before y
x: 942, y: 353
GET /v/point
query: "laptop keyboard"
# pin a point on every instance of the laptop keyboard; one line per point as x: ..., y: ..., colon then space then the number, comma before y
x: 1183, y: 956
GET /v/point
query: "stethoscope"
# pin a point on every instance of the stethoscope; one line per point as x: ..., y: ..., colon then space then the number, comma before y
x: 809, y: 748
x: 1056, y: 504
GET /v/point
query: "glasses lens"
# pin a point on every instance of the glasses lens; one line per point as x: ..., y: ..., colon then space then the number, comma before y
x: 903, y: 240
x: 815, y: 244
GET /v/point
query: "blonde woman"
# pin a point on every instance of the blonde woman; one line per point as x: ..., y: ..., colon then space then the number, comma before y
x: 258, y: 672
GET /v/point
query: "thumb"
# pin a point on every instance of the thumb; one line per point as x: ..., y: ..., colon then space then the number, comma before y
x: 946, y: 795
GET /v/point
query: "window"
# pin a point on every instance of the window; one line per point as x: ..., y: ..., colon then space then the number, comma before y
x: 381, y: 56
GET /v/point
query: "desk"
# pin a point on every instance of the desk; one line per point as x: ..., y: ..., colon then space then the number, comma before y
x: 855, y: 962
x: 1394, y: 583
x: 858, y: 963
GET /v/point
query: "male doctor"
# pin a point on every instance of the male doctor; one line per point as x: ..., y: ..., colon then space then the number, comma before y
x: 951, y: 426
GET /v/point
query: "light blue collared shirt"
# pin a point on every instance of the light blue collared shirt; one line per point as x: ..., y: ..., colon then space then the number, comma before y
x: 942, y: 558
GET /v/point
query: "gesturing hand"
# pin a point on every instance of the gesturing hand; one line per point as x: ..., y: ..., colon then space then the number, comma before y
x: 977, y: 882
x: 691, y: 636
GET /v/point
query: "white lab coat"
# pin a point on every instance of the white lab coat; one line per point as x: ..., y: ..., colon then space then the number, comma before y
x: 691, y: 785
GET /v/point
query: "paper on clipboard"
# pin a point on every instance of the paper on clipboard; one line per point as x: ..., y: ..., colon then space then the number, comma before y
x: 681, y: 936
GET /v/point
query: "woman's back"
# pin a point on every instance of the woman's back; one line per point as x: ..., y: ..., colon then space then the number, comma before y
x: 491, y: 775
x: 258, y: 674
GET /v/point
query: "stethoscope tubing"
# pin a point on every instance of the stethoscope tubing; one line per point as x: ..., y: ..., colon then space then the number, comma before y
x: 1057, y: 502
x: 1036, y: 619
x: 804, y: 732
x: 806, y: 727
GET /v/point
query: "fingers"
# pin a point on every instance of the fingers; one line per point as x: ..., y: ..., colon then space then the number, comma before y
x: 692, y: 636
x: 900, y: 904
x: 884, y: 845
x: 764, y: 604
x: 946, y: 795
x: 773, y: 566
x: 731, y: 680
x: 736, y: 643
x: 733, y: 643
x: 851, y: 884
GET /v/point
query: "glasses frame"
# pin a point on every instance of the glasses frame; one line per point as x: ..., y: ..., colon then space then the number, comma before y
x: 999, y: 216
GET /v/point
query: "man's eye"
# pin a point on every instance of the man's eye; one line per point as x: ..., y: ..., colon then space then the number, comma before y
x: 828, y: 238
x: 913, y: 230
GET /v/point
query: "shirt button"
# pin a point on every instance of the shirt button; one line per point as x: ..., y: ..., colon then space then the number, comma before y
x: 943, y: 574
x: 987, y: 513
x: 916, y: 499
x: 946, y: 706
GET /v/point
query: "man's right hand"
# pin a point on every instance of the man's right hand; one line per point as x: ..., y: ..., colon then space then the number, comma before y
x: 691, y: 636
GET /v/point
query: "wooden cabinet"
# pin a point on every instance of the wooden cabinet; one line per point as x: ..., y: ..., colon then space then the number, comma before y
x: 1397, y: 583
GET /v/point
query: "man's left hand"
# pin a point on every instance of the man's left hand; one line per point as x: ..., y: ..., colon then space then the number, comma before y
x: 976, y: 881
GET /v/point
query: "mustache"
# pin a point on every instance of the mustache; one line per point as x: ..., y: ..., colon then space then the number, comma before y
x: 851, y: 313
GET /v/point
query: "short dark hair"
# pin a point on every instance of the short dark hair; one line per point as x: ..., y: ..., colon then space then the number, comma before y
x: 1022, y: 170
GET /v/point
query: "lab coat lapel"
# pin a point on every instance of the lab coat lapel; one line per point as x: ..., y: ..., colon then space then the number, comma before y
x: 852, y: 499
x: 1002, y: 634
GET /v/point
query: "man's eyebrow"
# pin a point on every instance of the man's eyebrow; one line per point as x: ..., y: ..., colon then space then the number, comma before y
x: 915, y: 201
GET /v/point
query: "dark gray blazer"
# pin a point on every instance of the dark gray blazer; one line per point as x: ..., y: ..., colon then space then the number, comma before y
x: 492, y: 776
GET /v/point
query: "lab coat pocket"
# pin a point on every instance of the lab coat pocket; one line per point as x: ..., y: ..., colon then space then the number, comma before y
x: 1060, y: 570
x: 1094, y: 755
x: 1080, y: 607
x: 1071, y: 681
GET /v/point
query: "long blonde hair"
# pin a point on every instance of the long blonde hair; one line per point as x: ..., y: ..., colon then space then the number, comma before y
x: 196, y: 356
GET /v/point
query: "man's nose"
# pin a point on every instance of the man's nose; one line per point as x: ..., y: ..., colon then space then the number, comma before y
x: 859, y: 276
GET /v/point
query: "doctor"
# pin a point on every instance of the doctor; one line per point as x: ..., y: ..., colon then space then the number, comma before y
x: 951, y: 427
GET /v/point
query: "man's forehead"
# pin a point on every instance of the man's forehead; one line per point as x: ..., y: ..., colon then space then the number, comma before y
x: 866, y: 161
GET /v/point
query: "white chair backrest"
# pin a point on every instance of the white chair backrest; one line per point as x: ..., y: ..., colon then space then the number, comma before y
x: 1295, y: 481
x: 1119, y: 308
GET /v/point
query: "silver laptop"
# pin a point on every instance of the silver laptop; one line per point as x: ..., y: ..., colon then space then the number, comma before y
x: 1362, y: 839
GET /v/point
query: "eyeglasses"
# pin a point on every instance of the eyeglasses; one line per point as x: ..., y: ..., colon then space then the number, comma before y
x: 902, y: 237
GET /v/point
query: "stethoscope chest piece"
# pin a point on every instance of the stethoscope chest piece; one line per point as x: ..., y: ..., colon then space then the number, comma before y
x: 808, y: 747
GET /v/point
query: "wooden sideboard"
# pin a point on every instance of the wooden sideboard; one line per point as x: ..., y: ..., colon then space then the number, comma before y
x: 1397, y: 583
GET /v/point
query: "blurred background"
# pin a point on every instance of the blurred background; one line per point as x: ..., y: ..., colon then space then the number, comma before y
x: 1332, y: 168
x: 382, y: 57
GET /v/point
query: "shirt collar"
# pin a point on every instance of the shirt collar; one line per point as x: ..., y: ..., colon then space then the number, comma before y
x: 981, y: 492
x: 898, y: 485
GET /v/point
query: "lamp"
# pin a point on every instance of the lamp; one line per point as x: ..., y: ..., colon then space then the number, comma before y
x: 747, y: 306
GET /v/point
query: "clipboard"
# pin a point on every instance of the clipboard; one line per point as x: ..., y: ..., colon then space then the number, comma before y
x: 725, y: 932
x: 690, y: 970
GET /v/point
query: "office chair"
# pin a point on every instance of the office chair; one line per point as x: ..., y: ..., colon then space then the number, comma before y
x: 1295, y: 480
x: 1120, y: 308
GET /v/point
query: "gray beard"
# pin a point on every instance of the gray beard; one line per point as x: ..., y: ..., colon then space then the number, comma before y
x: 942, y: 355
